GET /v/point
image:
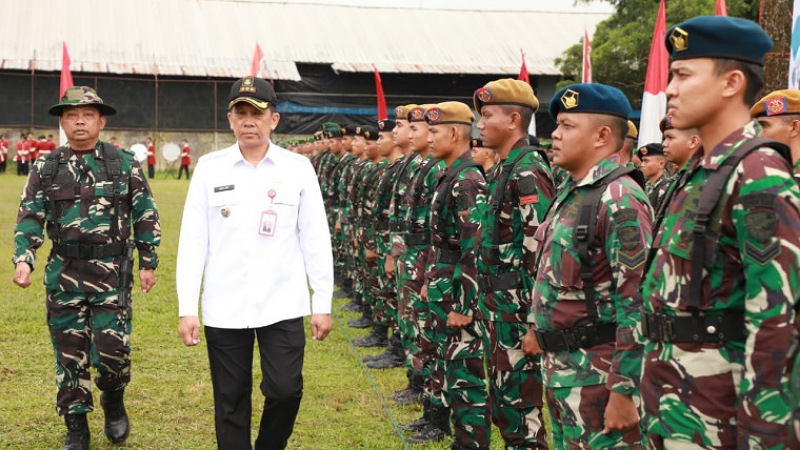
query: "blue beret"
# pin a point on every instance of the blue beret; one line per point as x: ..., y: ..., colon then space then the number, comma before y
x: 718, y: 37
x: 590, y: 98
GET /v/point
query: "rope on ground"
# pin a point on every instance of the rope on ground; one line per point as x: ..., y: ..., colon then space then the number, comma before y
x: 371, y: 381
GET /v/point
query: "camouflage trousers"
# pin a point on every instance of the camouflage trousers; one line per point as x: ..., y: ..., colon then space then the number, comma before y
x: 88, y: 330
x: 693, y: 397
x: 577, y: 418
x: 516, y: 394
x: 385, y: 294
x: 458, y: 369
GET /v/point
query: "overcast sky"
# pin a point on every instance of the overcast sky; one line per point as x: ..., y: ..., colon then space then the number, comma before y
x: 489, y: 5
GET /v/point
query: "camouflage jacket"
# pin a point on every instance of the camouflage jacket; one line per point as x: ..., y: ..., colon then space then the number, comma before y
x: 506, y: 243
x: 86, y: 208
x: 349, y: 182
x: 752, y: 266
x: 560, y: 178
x: 656, y: 190
x: 397, y: 206
x: 418, y: 211
x: 455, y: 223
x: 796, y: 170
x: 622, y: 237
x: 368, y: 203
x: 383, y: 197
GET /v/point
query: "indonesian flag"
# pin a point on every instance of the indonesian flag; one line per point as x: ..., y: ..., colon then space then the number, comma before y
x: 524, y: 76
x: 66, y: 83
x: 587, y: 58
x: 382, y: 114
x: 654, y: 101
x: 721, y: 9
x: 255, y: 66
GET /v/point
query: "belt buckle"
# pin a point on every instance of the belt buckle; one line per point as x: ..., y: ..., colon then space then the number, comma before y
x: 665, y: 327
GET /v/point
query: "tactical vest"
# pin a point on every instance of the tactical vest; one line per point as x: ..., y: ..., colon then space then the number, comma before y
x: 51, y: 177
x: 701, y: 328
x: 414, y: 238
x: 446, y: 251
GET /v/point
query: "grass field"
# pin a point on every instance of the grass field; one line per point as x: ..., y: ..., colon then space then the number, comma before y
x: 169, y: 398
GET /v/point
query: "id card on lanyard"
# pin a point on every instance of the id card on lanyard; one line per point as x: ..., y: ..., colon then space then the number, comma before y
x: 269, y: 218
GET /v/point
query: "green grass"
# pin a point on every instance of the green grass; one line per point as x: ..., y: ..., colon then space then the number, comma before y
x: 169, y: 399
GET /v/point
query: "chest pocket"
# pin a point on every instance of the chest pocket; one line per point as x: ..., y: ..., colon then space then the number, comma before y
x: 66, y: 197
x: 286, y: 205
x: 100, y: 200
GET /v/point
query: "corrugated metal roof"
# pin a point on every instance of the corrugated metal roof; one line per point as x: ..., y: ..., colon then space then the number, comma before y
x: 216, y: 38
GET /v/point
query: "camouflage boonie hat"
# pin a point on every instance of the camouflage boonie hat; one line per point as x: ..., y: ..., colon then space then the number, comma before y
x: 81, y: 96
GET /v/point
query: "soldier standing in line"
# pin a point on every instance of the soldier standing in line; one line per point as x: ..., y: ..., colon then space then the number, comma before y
x: 726, y: 274
x: 338, y: 188
x: 778, y: 113
x: 417, y: 240
x: 520, y: 193
x: 592, y: 249
x: 484, y: 156
x: 452, y: 279
x: 654, y: 168
x: 87, y: 195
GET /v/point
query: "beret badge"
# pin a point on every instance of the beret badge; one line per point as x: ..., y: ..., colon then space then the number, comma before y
x: 776, y: 106
x: 485, y: 95
x: 416, y: 114
x: 569, y: 99
x: 679, y: 39
x: 434, y: 115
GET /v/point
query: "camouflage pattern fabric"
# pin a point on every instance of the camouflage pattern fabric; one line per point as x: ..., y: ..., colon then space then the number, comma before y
x: 730, y: 395
x: 88, y: 330
x: 86, y: 323
x: 578, y: 418
x: 452, y: 287
x: 507, y: 246
x: 622, y: 237
x: 656, y: 190
x: 369, y: 241
x: 560, y: 177
x: 85, y: 207
x: 383, y: 245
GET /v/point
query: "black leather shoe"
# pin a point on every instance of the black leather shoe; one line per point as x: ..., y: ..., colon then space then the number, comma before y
x: 78, y: 436
x: 116, y: 426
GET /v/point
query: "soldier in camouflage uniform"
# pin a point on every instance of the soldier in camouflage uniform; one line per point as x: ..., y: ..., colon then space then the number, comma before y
x: 484, y: 156
x: 338, y: 187
x: 726, y: 274
x: 88, y: 195
x: 452, y: 279
x: 778, y: 113
x: 585, y: 298
x: 520, y: 193
x: 654, y: 168
x: 417, y: 240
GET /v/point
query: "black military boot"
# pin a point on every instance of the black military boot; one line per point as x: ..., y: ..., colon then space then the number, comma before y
x: 414, y: 394
x: 365, y: 321
x: 420, y: 423
x: 117, y: 426
x: 437, y: 428
x: 355, y: 303
x: 396, y: 357
x: 409, y: 376
x: 78, y: 435
x: 377, y: 338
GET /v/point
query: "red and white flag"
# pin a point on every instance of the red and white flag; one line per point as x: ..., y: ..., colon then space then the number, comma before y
x: 525, y: 76
x: 66, y: 83
x: 255, y: 66
x: 586, y: 76
x: 654, y: 101
x: 721, y: 9
x: 382, y: 114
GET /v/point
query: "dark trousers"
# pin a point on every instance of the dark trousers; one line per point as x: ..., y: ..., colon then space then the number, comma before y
x: 230, y: 354
x: 151, y: 171
x: 181, y: 169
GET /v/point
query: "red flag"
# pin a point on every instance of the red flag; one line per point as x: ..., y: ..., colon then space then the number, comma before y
x: 523, y: 71
x: 381, y: 98
x: 587, y: 58
x: 255, y: 67
x: 66, y: 75
x: 654, y: 101
x: 721, y: 9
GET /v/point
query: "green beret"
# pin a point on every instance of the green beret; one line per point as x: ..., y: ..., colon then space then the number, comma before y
x: 718, y: 37
x: 590, y: 98
x: 331, y: 130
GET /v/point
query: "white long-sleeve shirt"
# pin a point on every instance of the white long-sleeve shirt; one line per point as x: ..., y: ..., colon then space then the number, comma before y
x: 257, y: 238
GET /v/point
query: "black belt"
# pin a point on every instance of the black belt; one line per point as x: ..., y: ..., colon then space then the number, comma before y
x: 500, y: 282
x: 89, y: 251
x: 382, y: 226
x: 421, y: 238
x: 446, y: 256
x: 397, y: 226
x: 571, y: 339
x: 702, y: 328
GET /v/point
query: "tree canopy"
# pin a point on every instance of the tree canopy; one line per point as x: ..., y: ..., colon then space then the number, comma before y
x: 621, y: 43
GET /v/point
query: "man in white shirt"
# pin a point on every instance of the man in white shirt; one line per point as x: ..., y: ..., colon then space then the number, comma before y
x: 254, y: 233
